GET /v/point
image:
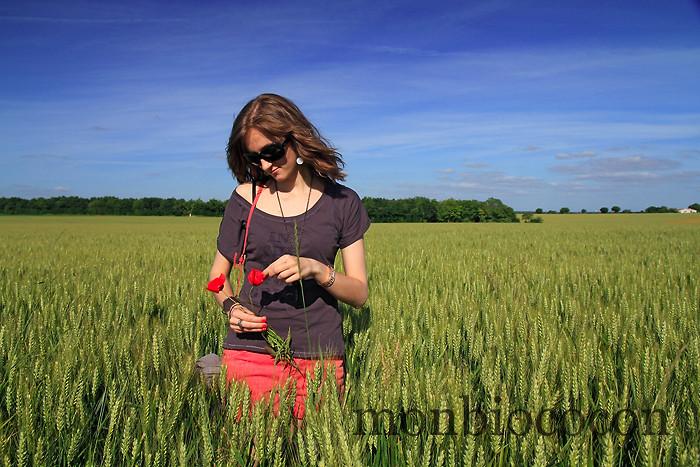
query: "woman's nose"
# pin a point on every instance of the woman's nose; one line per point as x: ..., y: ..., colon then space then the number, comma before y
x: 265, y: 165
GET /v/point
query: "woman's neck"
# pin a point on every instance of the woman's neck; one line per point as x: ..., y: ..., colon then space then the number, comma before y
x: 298, y: 184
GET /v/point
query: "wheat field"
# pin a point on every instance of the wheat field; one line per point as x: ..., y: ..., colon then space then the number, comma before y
x: 572, y: 342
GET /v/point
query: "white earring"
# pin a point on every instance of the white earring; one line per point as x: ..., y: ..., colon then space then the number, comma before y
x: 299, y: 160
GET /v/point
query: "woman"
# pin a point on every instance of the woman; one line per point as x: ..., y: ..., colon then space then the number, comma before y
x: 287, y: 198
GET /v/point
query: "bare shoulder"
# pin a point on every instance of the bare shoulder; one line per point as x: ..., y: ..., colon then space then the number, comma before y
x: 244, y: 190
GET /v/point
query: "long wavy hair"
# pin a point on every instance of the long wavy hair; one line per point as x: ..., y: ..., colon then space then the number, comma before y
x: 276, y: 117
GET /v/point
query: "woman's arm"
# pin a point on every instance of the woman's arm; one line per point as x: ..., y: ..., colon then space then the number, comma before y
x: 221, y: 266
x: 350, y: 287
x: 241, y: 319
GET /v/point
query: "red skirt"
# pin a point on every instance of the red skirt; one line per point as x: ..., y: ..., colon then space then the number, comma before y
x: 260, y: 373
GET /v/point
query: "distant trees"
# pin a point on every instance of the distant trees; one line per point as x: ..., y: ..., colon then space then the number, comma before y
x: 421, y: 209
x: 617, y: 209
x: 659, y: 209
x: 418, y: 209
x: 112, y: 206
x: 58, y: 205
x: 529, y: 218
x: 451, y: 210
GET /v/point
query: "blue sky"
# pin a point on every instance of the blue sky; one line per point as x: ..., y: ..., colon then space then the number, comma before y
x: 541, y: 104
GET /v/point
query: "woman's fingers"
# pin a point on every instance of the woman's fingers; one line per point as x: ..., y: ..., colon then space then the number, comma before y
x: 293, y: 278
x: 280, y: 264
x: 247, y: 326
x: 243, y: 320
x: 246, y: 315
x: 290, y: 271
x: 293, y: 270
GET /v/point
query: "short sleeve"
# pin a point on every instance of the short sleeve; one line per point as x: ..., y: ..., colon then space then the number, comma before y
x: 230, y: 236
x: 354, y: 219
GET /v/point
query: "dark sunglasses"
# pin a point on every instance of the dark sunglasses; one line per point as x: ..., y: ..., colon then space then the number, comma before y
x: 271, y: 152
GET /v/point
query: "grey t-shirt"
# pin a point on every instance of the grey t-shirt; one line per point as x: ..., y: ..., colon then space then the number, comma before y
x: 337, y: 220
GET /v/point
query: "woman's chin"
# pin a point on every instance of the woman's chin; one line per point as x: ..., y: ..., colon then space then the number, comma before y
x: 278, y: 175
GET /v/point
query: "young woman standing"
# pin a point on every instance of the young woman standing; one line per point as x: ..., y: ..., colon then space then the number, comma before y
x: 288, y: 201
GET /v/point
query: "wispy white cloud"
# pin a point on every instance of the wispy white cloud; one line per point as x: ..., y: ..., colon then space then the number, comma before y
x: 690, y: 153
x: 643, y: 177
x: 634, y: 169
x: 617, y: 164
x: 43, y: 157
x: 494, y: 181
x: 23, y: 190
x: 505, y: 130
x: 475, y: 165
x: 575, y: 155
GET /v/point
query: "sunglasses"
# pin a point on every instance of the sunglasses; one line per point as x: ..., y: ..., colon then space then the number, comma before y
x: 271, y: 152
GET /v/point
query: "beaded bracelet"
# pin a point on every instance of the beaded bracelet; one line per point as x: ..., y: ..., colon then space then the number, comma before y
x: 229, y: 305
x: 331, y: 278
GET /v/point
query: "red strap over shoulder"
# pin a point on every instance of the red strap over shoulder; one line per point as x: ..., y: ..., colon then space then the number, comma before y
x: 250, y: 216
x: 239, y: 260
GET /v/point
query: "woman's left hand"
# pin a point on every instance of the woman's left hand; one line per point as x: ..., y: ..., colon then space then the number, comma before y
x: 286, y: 268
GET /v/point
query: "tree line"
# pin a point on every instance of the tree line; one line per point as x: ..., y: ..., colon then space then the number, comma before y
x: 416, y: 209
x: 617, y: 209
x: 421, y: 209
x: 112, y: 205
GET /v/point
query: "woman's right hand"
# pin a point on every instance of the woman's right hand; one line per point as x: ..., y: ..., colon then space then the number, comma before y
x: 241, y: 319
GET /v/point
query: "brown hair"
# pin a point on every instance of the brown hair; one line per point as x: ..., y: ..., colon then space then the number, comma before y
x: 276, y: 117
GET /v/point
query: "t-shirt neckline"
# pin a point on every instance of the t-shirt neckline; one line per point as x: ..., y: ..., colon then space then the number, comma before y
x: 312, y: 208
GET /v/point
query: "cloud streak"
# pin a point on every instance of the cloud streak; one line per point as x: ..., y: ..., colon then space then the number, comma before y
x: 493, y: 181
x: 23, y: 190
x: 575, y: 155
x: 634, y: 169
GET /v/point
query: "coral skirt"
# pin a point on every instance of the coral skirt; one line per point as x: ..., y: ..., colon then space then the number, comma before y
x: 260, y: 373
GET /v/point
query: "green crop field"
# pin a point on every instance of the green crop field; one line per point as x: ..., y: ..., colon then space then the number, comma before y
x: 572, y: 342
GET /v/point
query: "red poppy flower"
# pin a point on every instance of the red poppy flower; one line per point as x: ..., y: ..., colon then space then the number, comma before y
x: 217, y: 285
x: 256, y: 277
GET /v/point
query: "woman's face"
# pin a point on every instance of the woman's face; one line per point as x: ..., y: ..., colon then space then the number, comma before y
x: 281, y: 169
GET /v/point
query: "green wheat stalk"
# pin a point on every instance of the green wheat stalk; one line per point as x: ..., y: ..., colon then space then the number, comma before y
x: 297, y: 251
